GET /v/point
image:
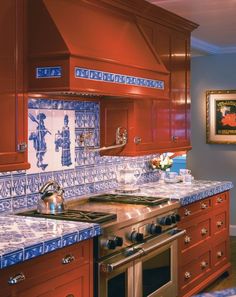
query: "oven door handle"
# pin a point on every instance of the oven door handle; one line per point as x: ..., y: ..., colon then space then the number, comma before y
x: 109, y: 267
x: 173, y: 235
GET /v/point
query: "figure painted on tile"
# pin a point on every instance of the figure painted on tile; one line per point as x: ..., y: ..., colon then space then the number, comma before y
x: 38, y: 138
x: 62, y: 139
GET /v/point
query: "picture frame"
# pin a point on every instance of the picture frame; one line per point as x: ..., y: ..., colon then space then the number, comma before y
x: 221, y: 116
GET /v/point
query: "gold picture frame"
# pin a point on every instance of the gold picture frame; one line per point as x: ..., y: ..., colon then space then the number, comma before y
x: 221, y: 116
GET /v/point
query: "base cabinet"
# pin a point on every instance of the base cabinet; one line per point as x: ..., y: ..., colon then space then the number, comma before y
x: 64, y: 273
x: 204, y: 250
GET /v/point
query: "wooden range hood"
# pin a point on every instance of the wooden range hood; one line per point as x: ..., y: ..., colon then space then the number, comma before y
x: 89, y: 47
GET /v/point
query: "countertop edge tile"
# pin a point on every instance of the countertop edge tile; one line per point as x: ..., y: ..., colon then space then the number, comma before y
x: 223, y: 293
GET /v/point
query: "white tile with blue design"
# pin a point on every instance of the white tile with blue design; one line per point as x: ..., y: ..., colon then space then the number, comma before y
x: 24, y: 238
x: 224, y: 293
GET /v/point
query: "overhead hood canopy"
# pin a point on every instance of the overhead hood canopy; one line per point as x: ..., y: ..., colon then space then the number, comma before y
x: 88, y: 47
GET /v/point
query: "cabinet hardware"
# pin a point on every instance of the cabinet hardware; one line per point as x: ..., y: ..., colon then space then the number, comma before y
x: 187, y: 275
x: 219, y: 200
x: 187, y: 239
x: 70, y: 295
x: 203, y: 206
x: 204, y: 231
x: 187, y: 212
x: 121, y: 140
x: 20, y: 277
x: 68, y: 259
x: 204, y: 264
x: 219, y: 224
x: 21, y: 147
x: 219, y: 254
x: 137, y: 139
x: 175, y: 138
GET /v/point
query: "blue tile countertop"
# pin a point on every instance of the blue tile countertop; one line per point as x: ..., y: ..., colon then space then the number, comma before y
x: 24, y: 238
x: 186, y: 193
x: 224, y: 293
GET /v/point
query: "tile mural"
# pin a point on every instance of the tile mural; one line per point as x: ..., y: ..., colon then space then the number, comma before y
x: 59, y: 136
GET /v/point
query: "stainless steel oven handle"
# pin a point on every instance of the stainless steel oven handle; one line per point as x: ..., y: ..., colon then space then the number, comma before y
x: 109, y: 267
x: 165, y: 241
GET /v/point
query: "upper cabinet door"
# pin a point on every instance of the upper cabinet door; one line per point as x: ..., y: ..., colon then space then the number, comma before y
x: 13, y: 105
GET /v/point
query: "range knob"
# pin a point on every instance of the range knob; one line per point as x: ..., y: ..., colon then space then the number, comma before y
x: 175, y: 218
x: 136, y: 237
x: 118, y: 240
x: 165, y: 221
x: 154, y: 229
x: 111, y: 244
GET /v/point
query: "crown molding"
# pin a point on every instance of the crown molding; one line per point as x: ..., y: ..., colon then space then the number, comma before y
x: 209, y: 48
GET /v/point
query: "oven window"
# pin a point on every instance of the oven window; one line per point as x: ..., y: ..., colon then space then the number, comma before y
x: 156, y: 272
x: 117, y: 286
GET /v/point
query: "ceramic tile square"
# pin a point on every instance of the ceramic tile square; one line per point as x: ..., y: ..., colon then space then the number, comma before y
x: 79, y: 119
x: 52, y: 245
x: 69, y: 178
x: 5, y: 188
x: 6, y: 205
x: 33, y: 251
x: 32, y: 200
x: 33, y: 183
x: 69, y: 192
x: 18, y: 186
x: 69, y: 239
x: 57, y: 104
x: 79, y: 105
x: 79, y: 176
x: 12, y: 258
x: 45, y: 104
x: 58, y: 176
x: 19, y: 203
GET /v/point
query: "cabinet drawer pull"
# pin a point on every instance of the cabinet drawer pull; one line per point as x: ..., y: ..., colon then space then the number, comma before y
x: 204, y: 264
x: 219, y: 200
x: 68, y: 259
x: 203, y: 206
x: 219, y: 224
x: 187, y: 239
x: 204, y: 231
x: 70, y: 295
x: 219, y: 254
x: 187, y: 275
x: 187, y: 212
x: 20, y: 277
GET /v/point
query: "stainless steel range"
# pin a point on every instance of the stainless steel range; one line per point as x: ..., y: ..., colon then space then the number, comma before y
x: 136, y: 255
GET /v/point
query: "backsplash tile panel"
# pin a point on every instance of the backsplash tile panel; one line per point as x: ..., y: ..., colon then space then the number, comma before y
x: 60, y: 134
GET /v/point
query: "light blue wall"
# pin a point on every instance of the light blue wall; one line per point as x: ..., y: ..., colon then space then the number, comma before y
x: 211, y: 161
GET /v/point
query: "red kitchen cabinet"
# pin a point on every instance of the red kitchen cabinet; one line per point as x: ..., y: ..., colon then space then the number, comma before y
x: 204, y: 250
x: 47, y: 276
x: 13, y: 104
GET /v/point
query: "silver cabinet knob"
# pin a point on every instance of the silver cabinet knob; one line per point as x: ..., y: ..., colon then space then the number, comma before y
x: 219, y: 200
x: 187, y: 239
x: 204, y: 231
x: 219, y: 254
x: 67, y: 259
x: 203, y: 206
x: 187, y: 275
x: 187, y: 212
x: 219, y: 224
x: 16, y: 279
x: 203, y: 264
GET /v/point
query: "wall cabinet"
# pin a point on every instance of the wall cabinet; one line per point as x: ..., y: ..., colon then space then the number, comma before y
x: 47, y: 276
x: 13, y: 105
x: 204, y: 250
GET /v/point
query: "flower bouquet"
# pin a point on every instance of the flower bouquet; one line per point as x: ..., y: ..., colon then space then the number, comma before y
x: 163, y: 162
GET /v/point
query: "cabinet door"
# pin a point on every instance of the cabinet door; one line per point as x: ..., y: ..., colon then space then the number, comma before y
x: 13, y: 109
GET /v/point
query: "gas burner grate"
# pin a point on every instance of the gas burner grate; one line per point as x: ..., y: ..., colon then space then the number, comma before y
x: 74, y: 215
x: 129, y: 199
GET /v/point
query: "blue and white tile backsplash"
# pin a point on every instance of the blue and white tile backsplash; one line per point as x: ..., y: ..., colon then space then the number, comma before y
x: 56, y: 151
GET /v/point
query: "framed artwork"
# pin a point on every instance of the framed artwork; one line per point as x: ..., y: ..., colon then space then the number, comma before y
x: 221, y: 116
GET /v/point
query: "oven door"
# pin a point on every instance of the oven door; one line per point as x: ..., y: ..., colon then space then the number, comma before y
x: 156, y: 273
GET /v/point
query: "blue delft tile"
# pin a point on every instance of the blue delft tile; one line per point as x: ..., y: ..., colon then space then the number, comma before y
x: 79, y: 176
x: 81, y: 72
x: 89, y: 120
x: 19, y: 203
x: 90, y: 106
x: 69, y: 192
x: 57, y: 104
x: 79, y: 119
x: 32, y: 200
x: 86, y: 234
x: 68, y: 105
x: 69, y: 178
x: 45, y: 104
x: 12, y: 258
x: 33, y: 183
x: 33, y: 251
x: 223, y: 293
x: 70, y: 239
x: 96, y: 75
x: 19, y: 186
x: 58, y: 176
x: 48, y: 72
x: 44, y: 177
x: 52, y: 245
x: 5, y: 188
x: 33, y: 103
x: 79, y: 105
x: 110, y: 77
x: 97, y: 230
x: 6, y: 205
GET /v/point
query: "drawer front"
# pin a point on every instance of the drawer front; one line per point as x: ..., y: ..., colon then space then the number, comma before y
x: 220, y: 254
x: 196, y: 208
x: 195, y: 234
x: 195, y: 269
x: 220, y: 200
x: 47, y: 266
x: 219, y: 222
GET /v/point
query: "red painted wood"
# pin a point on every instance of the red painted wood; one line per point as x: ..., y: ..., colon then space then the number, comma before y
x: 47, y: 276
x: 213, y: 246
x: 13, y: 104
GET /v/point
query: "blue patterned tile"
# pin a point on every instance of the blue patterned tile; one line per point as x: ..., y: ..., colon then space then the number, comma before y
x: 79, y: 105
x: 69, y: 178
x: 52, y: 245
x: 12, y: 258
x: 19, y: 203
x: 33, y: 103
x: 18, y: 186
x: 97, y: 230
x: 223, y: 293
x: 45, y: 104
x: 48, y: 72
x: 33, y: 251
x: 6, y: 205
x: 57, y: 104
x: 69, y: 192
x: 69, y: 239
x: 68, y: 105
x: 32, y: 200
x: 33, y: 183
x: 5, y: 188
x: 85, y: 234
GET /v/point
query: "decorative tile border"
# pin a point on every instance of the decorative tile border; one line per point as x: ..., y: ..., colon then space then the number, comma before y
x: 224, y: 293
x: 117, y: 78
x: 48, y: 72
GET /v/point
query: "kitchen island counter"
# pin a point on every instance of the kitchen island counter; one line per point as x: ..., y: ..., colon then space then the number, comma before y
x: 24, y: 238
